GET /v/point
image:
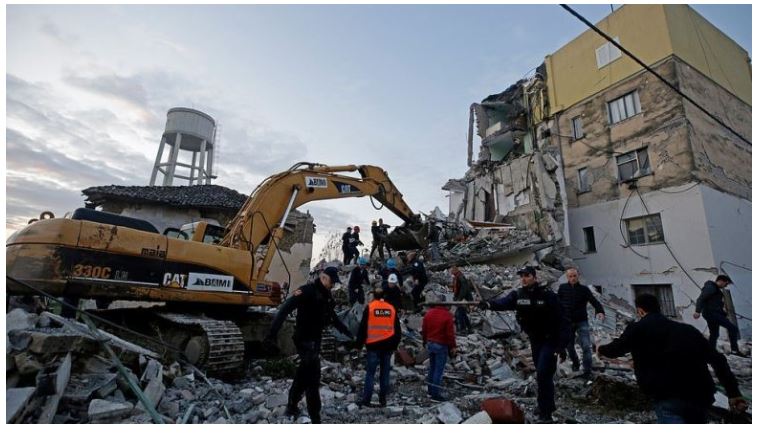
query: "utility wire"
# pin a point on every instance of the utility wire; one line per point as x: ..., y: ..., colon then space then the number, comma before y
x: 653, y: 72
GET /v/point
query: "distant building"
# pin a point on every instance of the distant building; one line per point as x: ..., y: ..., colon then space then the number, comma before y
x: 597, y: 155
x: 174, y: 206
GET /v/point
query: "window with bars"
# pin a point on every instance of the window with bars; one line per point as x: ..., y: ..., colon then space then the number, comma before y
x: 664, y: 294
x: 633, y: 165
x: 576, y: 128
x: 644, y: 230
x: 626, y: 106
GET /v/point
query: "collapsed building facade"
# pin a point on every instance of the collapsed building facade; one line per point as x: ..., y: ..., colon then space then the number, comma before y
x: 597, y: 156
x: 174, y: 206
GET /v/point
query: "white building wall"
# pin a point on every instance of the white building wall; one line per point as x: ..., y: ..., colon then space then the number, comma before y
x: 730, y: 226
x: 686, y: 223
x: 163, y: 217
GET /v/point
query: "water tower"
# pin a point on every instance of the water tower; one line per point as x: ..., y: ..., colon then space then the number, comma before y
x: 192, y: 131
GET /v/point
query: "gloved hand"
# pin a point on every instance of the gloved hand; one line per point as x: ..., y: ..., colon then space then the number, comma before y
x: 483, y: 305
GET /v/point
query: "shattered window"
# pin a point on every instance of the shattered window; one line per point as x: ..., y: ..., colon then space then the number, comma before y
x: 576, y: 127
x: 633, y: 164
x: 624, y: 107
x: 644, y: 230
x: 584, y: 183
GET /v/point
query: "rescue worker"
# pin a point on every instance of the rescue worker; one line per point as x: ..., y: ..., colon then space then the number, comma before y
x: 539, y: 313
x: 671, y: 361
x: 434, y: 236
x: 315, y: 311
x: 710, y: 304
x: 358, y: 277
x: 439, y: 337
x: 346, y: 246
x: 463, y: 291
x: 574, y: 297
x: 383, y: 228
x: 377, y: 244
x: 391, y: 268
x: 416, y: 269
x: 380, y: 330
x: 354, y: 243
x: 393, y: 292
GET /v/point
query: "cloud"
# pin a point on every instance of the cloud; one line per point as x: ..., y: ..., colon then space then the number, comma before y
x: 53, y: 31
x: 126, y: 88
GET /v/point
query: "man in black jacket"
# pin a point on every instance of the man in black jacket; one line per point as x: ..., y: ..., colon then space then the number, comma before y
x: 380, y: 330
x: 540, y: 315
x: 358, y: 276
x: 710, y: 304
x: 315, y: 311
x: 416, y: 269
x: 346, y: 251
x: 671, y: 365
x: 574, y: 297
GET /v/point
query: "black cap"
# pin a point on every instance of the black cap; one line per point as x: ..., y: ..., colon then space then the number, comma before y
x: 527, y: 270
x: 333, y: 273
x: 724, y: 277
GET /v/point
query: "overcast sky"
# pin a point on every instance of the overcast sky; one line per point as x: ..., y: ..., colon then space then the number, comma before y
x: 88, y: 88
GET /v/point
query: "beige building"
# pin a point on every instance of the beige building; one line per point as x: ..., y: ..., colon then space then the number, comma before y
x: 649, y: 193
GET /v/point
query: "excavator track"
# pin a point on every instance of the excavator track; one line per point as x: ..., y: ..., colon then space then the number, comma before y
x: 215, y: 346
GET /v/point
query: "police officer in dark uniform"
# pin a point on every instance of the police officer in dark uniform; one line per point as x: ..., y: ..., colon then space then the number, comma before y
x: 539, y: 313
x: 315, y: 311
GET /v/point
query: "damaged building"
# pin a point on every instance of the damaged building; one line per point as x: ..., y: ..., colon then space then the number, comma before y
x: 596, y: 154
x: 171, y: 207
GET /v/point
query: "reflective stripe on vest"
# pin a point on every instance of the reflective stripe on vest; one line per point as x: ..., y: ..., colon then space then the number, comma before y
x: 381, y: 321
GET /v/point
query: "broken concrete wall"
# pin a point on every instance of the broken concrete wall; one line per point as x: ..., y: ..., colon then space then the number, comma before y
x: 721, y: 159
x: 617, y: 268
x: 296, y: 249
x: 163, y: 217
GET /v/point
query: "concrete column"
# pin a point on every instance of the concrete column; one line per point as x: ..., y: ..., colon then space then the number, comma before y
x: 192, y: 166
x: 202, y: 161
x: 169, y: 179
x: 210, y: 167
x: 155, y: 169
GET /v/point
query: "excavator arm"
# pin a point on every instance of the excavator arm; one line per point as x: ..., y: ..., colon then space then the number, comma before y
x: 265, y: 212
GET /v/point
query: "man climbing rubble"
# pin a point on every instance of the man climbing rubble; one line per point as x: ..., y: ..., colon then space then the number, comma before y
x: 416, y: 269
x: 354, y: 242
x: 315, y: 311
x: 439, y: 337
x: 391, y: 267
x: 358, y: 277
x: 671, y: 364
x: 574, y: 297
x: 710, y: 304
x: 380, y: 330
x: 393, y: 293
x: 463, y: 291
x: 540, y: 315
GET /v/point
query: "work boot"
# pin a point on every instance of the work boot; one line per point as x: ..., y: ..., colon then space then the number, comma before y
x: 292, y: 411
x: 383, y: 401
x: 362, y: 403
x: 438, y: 398
x: 545, y: 418
x: 738, y: 353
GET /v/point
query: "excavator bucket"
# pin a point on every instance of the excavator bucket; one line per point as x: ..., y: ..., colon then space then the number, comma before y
x: 408, y: 237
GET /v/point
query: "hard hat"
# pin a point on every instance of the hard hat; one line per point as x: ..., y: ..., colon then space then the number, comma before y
x: 362, y: 261
x: 391, y: 263
x: 392, y: 278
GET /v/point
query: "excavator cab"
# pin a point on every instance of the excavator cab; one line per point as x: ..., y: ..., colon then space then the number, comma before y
x: 202, y: 232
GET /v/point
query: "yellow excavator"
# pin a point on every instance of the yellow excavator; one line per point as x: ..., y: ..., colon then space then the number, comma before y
x: 206, y: 276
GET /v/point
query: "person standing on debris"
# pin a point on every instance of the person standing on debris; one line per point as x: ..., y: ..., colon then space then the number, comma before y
x: 540, y: 315
x: 383, y: 228
x: 346, y: 246
x: 358, y: 276
x: 463, y: 291
x: 574, y: 297
x: 434, y: 236
x: 439, y: 336
x: 391, y: 267
x: 671, y: 361
x: 392, y: 292
x: 375, y: 244
x: 710, y: 304
x: 416, y: 269
x: 354, y: 243
x: 380, y: 330
x: 315, y: 311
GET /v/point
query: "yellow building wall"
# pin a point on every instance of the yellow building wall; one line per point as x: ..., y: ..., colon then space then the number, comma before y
x: 710, y: 51
x: 652, y: 33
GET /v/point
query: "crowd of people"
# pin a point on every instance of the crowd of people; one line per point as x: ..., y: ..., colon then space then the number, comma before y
x: 670, y: 358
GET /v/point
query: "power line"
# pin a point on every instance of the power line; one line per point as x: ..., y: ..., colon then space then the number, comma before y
x: 653, y: 72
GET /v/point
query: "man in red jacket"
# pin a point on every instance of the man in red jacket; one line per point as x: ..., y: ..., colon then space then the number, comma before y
x: 440, y: 339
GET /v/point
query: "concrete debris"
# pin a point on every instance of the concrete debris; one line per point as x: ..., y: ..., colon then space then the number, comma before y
x: 16, y: 401
x: 448, y: 413
x: 19, y: 319
x: 99, y: 410
x: 478, y: 418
